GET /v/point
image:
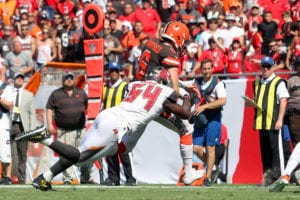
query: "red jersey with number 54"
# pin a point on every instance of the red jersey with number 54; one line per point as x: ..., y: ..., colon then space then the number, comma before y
x: 156, y: 54
x: 144, y: 102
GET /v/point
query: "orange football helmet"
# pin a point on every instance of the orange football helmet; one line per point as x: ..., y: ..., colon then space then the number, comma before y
x: 177, y: 32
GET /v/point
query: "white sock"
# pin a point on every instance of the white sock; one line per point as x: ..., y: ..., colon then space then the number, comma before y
x: 186, y: 152
x: 48, y: 175
x: 294, y: 160
x: 48, y: 141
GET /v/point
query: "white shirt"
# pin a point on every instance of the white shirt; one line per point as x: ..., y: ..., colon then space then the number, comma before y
x: 203, y: 41
x: 118, y: 82
x: 233, y: 32
x: 7, y: 95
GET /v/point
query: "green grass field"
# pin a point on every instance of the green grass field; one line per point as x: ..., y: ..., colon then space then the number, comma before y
x: 147, y: 192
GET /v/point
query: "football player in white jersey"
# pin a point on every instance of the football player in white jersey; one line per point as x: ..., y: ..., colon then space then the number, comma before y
x: 116, y: 129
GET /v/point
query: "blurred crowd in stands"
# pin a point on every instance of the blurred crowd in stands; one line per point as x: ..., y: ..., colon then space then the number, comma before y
x: 235, y: 34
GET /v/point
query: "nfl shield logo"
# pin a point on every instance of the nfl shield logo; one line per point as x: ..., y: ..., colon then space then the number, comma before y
x: 92, y: 47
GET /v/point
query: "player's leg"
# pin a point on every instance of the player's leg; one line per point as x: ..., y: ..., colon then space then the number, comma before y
x: 98, y: 139
x: 184, y: 129
x: 284, y: 180
x: 186, y: 152
x: 198, y: 143
x: 130, y: 139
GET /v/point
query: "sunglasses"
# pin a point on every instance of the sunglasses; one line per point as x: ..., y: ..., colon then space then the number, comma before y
x: 69, y: 77
x: 266, y: 66
x: 213, y: 22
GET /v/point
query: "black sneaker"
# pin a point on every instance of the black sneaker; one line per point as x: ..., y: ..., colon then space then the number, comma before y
x: 5, y: 181
x: 36, y: 135
x: 90, y: 182
x: 110, y: 182
x: 207, y: 182
x: 130, y: 182
x: 41, y: 184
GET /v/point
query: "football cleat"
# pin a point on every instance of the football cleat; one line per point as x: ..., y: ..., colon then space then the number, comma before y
x: 193, y: 175
x: 279, y: 185
x: 41, y: 184
x: 36, y: 135
x: 207, y: 182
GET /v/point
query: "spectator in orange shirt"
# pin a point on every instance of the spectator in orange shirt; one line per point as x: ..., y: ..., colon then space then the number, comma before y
x: 36, y: 30
x: 7, y: 10
x: 228, y: 3
x: 137, y: 35
x: 137, y: 40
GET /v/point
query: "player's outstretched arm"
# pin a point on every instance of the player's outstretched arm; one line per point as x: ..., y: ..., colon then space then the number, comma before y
x: 183, y: 111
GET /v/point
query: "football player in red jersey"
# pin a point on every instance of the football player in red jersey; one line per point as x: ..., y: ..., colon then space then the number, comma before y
x: 164, y: 52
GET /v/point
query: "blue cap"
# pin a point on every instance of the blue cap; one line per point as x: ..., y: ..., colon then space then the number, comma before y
x: 114, y: 65
x: 267, y: 60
